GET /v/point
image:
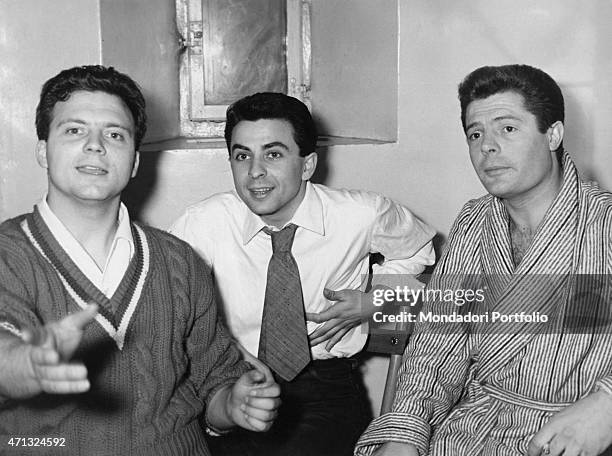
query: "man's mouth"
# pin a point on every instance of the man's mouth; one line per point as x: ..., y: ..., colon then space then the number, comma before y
x: 93, y: 170
x: 493, y: 171
x: 260, y: 192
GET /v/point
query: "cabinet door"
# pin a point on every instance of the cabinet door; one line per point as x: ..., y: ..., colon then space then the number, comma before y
x: 236, y: 48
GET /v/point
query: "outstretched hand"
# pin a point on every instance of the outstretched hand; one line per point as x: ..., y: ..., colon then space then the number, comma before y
x: 340, y: 318
x: 41, y: 363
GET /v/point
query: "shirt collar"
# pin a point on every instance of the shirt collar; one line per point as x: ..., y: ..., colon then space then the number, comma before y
x: 124, y: 230
x: 59, y: 230
x: 309, y: 215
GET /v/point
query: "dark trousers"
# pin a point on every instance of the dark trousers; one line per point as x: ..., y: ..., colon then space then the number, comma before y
x: 325, y: 409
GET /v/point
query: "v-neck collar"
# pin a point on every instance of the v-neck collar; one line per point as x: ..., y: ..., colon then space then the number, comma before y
x: 114, y: 314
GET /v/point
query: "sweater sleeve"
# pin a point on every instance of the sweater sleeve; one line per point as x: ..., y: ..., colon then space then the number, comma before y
x: 17, y: 302
x: 215, y: 361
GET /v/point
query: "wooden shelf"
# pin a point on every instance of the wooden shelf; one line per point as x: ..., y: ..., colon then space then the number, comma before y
x: 188, y: 143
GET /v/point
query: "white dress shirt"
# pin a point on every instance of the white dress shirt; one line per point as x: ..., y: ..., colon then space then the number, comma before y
x: 337, y: 230
x: 122, y: 249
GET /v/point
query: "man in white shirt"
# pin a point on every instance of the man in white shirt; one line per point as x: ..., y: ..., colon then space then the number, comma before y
x: 109, y: 337
x: 271, y: 139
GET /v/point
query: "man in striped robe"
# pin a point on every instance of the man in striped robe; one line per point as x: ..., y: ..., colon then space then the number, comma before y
x: 540, y: 243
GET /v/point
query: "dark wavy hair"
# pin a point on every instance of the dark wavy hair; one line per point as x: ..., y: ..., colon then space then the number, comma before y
x: 273, y: 105
x: 91, y: 78
x: 541, y: 94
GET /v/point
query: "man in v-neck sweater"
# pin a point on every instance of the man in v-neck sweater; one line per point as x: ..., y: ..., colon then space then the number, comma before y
x: 109, y: 337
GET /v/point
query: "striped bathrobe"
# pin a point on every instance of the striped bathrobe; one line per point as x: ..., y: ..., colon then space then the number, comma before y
x: 485, y: 388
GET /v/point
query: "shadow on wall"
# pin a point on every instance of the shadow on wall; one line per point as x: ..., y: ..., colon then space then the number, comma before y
x: 137, y: 192
x: 322, y: 171
x: 579, y: 135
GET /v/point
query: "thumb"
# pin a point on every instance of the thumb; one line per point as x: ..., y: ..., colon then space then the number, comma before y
x: 267, y: 373
x: 79, y: 320
x: 254, y: 377
x: 332, y: 295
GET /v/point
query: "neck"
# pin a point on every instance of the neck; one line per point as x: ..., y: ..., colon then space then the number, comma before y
x: 280, y: 218
x: 528, y: 210
x: 92, y: 224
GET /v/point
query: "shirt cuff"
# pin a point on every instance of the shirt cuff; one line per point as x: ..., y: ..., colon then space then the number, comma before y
x: 394, y: 427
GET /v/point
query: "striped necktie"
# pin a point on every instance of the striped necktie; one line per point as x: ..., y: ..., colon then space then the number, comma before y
x: 283, y: 343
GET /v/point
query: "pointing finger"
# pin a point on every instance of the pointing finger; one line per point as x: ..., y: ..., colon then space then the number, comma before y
x: 63, y: 372
x: 80, y: 319
x: 65, y: 386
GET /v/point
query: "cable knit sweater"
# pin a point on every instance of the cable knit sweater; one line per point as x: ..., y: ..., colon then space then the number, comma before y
x: 155, y: 354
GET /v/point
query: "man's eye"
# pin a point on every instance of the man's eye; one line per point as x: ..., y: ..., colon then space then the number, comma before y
x: 509, y: 129
x: 240, y: 157
x: 474, y: 136
x: 274, y: 155
x: 73, y: 130
x: 116, y: 135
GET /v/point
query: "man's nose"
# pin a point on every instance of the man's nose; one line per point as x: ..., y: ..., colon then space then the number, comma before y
x: 95, y: 143
x: 489, y: 143
x: 257, y: 168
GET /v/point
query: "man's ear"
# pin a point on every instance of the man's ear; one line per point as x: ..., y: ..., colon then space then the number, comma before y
x: 555, y: 135
x: 136, y: 163
x: 41, y: 153
x: 310, y: 164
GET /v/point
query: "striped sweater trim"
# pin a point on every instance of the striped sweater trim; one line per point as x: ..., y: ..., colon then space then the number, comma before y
x: 83, y: 292
x: 9, y: 327
x: 113, y: 308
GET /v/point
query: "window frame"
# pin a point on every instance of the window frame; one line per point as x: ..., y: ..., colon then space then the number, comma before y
x: 200, y: 120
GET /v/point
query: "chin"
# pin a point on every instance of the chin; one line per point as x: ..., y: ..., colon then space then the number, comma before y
x: 260, y: 208
x: 500, y: 193
x: 497, y: 189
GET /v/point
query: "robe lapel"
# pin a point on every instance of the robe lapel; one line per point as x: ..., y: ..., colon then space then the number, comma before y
x: 540, y: 283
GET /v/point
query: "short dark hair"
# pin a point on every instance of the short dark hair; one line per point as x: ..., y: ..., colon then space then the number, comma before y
x: 273, y: 105
x: 91, y: 78
x: 541, y: 94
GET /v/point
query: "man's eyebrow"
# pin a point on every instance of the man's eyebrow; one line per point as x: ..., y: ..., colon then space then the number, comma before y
x: 82, y: 122
x: 507, y: 117
x: 70, y: 120
x: 239, y: 146
x: 118, y: 125
x: 472, y: 125
x: 496, y: 119
x: 276, y: 144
